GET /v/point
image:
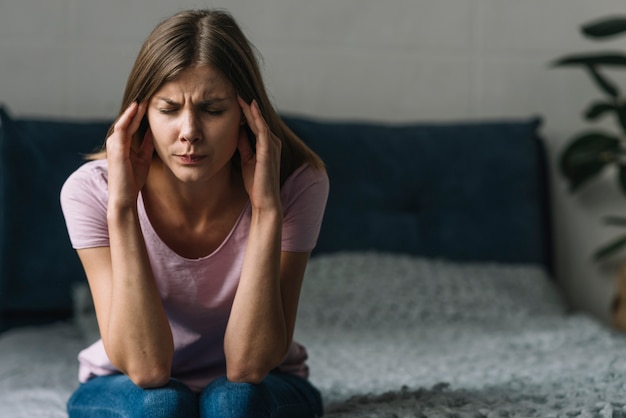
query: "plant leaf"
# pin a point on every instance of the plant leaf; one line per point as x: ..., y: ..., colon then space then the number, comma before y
x: 615, y: 220
x: 610, y: 248
x: 598, y: 109
x: 622, y: 178
x: 586, y: 156
x: 604, y: 28
x: 620, y: 111
x: 616, y: 59
x: 602, y: 82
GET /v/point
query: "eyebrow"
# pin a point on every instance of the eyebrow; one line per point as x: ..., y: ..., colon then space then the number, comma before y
x: 207, y: 102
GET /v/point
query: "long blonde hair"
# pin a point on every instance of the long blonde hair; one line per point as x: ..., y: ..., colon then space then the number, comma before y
x: 208, y: 37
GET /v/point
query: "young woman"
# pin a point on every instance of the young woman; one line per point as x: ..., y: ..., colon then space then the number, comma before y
x: 194, y: 226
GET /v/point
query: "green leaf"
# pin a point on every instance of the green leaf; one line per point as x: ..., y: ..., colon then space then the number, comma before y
x: 622, y: 178
x: 615, y: 59
x: 615, y: 220
x: 598, y: 109
x: 610, y: 248
x: 604, y: 28
x: 620, y: 111
x: 602, y: 82
x: 586, y: 156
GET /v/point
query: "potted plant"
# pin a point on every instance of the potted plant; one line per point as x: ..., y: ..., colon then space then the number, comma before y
x: 590, y: 152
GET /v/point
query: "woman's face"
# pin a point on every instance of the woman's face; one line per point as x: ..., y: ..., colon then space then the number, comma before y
x: 195, y: 121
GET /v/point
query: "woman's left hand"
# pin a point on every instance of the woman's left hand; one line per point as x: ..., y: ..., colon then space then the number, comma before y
x: 260, y: 169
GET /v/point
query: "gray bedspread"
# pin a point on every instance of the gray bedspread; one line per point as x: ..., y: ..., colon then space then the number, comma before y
x: 396, y: 336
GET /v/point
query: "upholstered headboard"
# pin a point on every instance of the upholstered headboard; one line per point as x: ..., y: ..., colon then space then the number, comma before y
x: 462, y: 191
x: 37, y: 262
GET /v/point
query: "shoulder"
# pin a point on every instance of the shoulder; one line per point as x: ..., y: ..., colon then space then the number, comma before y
x: 96, y: 170
x: 304, y: 197
x: 91, y: 178
x: 84, y: 197
x: 306, y: 176
x: 307, y: 185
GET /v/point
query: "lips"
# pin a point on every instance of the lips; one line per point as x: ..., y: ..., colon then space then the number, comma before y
x: 190, y: 158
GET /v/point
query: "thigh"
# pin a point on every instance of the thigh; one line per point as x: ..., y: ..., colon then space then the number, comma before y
x: 280, y: 395
x: 117, y: 396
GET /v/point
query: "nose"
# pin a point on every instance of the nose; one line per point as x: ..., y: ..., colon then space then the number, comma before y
x: 190, y: 130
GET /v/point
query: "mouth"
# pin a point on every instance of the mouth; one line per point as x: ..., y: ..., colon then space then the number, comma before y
x: 190, y: 158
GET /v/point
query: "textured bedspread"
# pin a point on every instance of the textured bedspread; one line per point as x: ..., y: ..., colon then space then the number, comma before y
x: 394, y: 336
x: 38, y: 370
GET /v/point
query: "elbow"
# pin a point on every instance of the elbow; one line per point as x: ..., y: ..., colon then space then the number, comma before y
x: 149, y: 379
x: 147, y: 375
x: 145, y: 370
x: 250, y: 370
x: 244, y: 375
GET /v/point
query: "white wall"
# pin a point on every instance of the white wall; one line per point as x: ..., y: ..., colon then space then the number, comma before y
x: 394, y: 60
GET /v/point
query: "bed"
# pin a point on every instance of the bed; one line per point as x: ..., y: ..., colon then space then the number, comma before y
x: 431, y: 292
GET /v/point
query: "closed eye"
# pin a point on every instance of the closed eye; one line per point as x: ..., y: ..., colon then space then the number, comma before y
x: 213, y: 112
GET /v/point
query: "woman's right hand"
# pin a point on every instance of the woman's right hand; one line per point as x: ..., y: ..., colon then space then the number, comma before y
x: 128, y: 168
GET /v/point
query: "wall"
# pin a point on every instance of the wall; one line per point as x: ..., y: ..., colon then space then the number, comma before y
x: 397, y: 60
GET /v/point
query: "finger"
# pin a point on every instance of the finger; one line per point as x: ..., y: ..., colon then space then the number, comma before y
x: 253, y: 115
x: 137, y: 118
x: 126, y: 117
x: 130, y: 120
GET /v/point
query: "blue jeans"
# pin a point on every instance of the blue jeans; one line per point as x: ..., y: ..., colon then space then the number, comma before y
x: 280, y: 395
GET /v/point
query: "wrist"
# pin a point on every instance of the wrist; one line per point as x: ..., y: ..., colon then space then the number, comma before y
x: 119, y: 212
x: 268, y: 214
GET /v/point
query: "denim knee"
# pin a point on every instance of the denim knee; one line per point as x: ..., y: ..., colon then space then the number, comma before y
x: 171, y: 401
x: 226, y: 399
x: 116, y: 396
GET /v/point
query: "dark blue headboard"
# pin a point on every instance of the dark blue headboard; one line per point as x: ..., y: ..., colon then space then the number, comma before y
x: 473, y: 191
x: 37, y: 262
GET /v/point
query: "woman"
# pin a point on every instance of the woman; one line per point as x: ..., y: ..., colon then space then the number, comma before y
x: 194, y: 226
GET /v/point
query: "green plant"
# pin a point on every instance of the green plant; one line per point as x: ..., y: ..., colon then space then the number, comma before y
x: 590, y: 152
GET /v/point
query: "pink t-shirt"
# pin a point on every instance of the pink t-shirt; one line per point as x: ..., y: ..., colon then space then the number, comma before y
x: 197, y: 294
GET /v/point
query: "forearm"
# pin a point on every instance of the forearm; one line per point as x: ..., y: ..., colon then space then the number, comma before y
x: 138, y: 336
x: 257, y: 336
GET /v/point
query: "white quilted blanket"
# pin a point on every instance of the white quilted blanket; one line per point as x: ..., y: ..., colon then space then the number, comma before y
x: 396, y: 336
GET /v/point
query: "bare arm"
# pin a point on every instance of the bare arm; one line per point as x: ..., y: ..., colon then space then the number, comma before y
x: 263, y: 316
x: 133, y: 325
x: 262, y: 319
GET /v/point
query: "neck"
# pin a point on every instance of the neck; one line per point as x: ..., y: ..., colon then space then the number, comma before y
x: 193, y: 203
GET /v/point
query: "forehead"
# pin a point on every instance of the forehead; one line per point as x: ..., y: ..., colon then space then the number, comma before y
x: 197, y: 81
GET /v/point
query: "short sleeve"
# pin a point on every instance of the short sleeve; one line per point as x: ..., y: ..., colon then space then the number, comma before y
x: 84, y: 203
x: 304, y: 197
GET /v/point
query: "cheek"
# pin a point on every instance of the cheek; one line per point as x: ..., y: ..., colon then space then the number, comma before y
x: 228, y: 134
x: 161, y: 131
x: 161, y: 141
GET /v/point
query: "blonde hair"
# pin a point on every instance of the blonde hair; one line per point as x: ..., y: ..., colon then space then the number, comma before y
x: 208, y: 37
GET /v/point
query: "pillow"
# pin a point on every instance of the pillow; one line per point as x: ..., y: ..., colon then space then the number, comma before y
x: 38, y: 264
